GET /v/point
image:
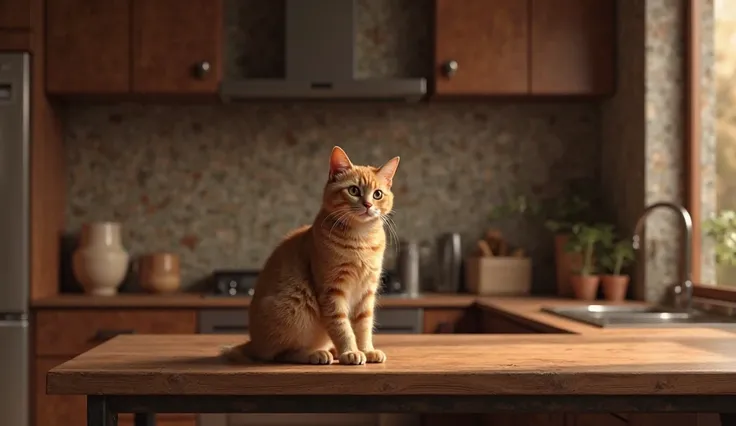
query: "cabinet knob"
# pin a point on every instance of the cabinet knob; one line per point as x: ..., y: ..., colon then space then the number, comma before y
x: 201, y: 69
x: 450, y: 68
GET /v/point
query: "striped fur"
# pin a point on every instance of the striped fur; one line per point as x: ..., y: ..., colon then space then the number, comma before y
x: 315, y: 296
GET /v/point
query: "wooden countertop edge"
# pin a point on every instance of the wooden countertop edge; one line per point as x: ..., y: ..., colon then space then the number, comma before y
x: 524, y: 310
x: 480, y: 365
x: 199, y: 301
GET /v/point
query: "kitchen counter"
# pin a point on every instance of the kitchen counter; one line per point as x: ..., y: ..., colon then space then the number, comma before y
x: 525, y: 310
x: 470, y: 364
x: 192, y: 300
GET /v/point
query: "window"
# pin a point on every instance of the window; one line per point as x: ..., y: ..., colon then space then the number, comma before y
x: 711, y: 145
x: 724, y: 82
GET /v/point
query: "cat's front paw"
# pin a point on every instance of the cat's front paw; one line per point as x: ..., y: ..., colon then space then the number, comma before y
x: 352, y: 358
x: 333, y: 351
x: 375, y: 356
x: 320, y: 357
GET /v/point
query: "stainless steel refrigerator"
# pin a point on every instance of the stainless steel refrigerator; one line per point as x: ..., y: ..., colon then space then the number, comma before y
x: 14, y: 238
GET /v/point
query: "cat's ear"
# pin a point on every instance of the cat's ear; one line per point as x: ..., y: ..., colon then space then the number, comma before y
x: 339, y: 161
x: 388, y: 170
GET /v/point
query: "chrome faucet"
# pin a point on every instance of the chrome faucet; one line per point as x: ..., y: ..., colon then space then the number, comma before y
x: 682, y: 291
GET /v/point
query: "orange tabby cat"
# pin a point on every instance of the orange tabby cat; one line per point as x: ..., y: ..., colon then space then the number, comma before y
x: 315, y: 296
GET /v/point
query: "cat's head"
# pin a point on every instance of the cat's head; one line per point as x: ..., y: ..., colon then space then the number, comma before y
x: 358, y: 194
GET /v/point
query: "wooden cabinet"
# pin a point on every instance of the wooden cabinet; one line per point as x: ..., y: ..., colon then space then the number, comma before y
x: 60, y: 335
x: 176, y: 46
x: 495, y: 322
x: 15, y: 14
x: 450, y: 321
x: 137, y: 47
x: 87, y: 46
x: 572, y: 47
x: 481, y: 47
x: 72, y: 332
x: 524, y: 47
x: 17, y: 25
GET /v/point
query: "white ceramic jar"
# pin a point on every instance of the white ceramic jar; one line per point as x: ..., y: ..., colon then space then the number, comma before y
x: 100, y: 263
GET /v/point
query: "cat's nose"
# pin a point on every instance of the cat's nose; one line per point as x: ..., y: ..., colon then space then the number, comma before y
x: 367, y: 204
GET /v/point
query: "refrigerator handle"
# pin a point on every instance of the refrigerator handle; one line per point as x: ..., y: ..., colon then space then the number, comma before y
x: 107, y: 334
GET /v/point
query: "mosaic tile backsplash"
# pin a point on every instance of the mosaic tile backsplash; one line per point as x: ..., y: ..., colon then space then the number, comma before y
x: 221, y: 184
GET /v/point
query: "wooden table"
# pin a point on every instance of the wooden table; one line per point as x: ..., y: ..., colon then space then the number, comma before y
x: 148, y: 374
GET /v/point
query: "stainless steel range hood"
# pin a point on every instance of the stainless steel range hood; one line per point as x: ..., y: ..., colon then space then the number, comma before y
x: 320, y: 61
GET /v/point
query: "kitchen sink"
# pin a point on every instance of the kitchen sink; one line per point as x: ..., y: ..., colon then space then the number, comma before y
x: 623, y: 316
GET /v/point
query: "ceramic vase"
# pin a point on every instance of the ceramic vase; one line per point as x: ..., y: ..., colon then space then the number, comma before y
x: 159, y: 273
x: 100, y: 263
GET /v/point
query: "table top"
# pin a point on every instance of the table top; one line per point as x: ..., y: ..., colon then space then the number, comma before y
x: 453, y: 364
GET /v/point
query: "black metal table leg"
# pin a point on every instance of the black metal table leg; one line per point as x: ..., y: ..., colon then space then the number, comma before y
x: 98, y: 413
x: 145, y: 419
x: 728, y: 419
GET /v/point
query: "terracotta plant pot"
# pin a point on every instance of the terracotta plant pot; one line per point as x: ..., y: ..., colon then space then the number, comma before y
x: 585, y: 287
x: 614, y: 287
x: 565, y: 263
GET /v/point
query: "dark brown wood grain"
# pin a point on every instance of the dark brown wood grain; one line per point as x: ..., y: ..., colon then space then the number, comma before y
x: 452, y: 364
x: 71, y: 410
x: 573, y: 47
x: 457, y: 320
x: 15, y: 14
x: 70, y: 333
x: 16, y: 41
x: 169, y: 39
x: 490, y: 41
x: 48, y: 169
x: 88, y: 46
x: 71, y: 301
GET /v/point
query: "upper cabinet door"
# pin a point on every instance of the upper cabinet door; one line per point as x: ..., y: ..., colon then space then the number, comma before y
x: 177, y: 46
x: 573, y: 47
x: 15, y: 14
x: 87, y: 46
x: 482, y: 47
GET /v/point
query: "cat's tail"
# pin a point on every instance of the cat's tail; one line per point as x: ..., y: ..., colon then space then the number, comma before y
x: 240, y: 354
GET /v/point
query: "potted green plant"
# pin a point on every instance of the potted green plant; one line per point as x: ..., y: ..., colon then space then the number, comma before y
x: 614, y: 256
x: 722, y: 229
x: 583, y: 241
x: 561, y: 215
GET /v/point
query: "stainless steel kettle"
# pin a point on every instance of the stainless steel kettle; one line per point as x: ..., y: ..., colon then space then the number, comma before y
x: 449, y: 263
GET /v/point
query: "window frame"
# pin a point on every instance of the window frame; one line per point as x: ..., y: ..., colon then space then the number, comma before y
x: 692, y: 157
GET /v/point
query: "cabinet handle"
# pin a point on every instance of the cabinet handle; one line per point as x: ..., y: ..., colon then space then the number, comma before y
x: 103, y: 334
x: 201, y: 69
x: 450, y: 68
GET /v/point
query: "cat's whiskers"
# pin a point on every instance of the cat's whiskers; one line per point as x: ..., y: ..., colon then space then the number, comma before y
x: 391, y: 226
x: 339, y: 221
x: 334, y: 213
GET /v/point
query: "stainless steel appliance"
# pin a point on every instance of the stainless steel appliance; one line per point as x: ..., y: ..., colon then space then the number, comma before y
x: 408, y: 267
x: 234, y: 282
x: 449, y: 263
x: 235, y: 321
x: 321, y: 62
x: 14, y: 237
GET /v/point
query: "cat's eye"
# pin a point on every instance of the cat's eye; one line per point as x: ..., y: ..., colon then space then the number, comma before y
x: 378, y: 194
x: 354, y: 191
